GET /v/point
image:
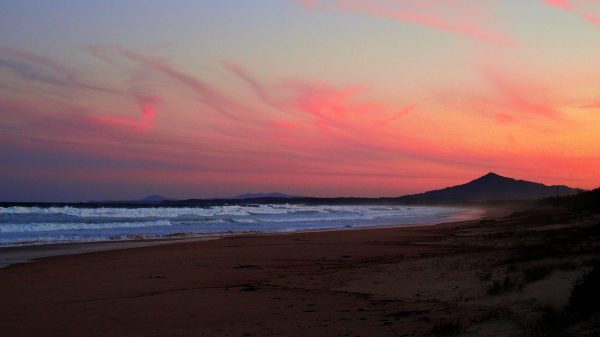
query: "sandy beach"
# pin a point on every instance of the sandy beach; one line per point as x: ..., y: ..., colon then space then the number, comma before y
x: 499, y: 276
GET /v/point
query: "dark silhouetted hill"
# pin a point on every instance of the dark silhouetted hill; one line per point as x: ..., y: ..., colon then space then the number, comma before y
x: 155, y: 198
x: 265, y: 195
x: 150, y: 199
x: 586, y: 201
x: 494, y: 187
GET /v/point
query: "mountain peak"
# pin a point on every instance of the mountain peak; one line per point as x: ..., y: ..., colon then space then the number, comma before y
x: 492, y: 175
x: 489, y: 178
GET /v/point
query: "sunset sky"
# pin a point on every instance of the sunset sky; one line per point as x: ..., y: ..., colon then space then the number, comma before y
x: 118, y: 99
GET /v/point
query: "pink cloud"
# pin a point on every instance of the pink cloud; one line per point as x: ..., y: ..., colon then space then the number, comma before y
x: 147, y: 106
x: 328, y: 105
x: 326, y: 102
x: 207, y: 93
x: 341, y: 127
x: 516, y: 98
x: 577, y: 7
x: 564, y: 4
x: 452, y: 16
x: 592, y: 18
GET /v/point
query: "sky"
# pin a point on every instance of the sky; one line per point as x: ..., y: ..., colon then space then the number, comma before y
x: 117, y: 99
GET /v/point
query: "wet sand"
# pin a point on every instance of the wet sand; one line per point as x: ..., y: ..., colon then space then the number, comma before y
x: 24, y: 254
x: 445, y: 279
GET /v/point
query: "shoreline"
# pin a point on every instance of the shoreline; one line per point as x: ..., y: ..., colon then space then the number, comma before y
x: 10, y: 255
x: 13, y: 255
x: 493, y: 276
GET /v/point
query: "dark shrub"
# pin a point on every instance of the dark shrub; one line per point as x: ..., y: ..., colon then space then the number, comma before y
x: 502, y: 286
x: 585, y: 296
x: 536, y: 273
x: 447, y: 329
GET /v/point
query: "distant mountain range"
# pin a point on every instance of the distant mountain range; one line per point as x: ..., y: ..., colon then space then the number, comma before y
x: 494, y: 187
x: 150, y: 199
x: 155, y: 198
x: 265, y: 195
x: 490, y: 188
x: 274, y: 195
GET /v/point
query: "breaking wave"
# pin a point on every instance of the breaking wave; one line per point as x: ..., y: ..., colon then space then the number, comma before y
x: 34, y: 225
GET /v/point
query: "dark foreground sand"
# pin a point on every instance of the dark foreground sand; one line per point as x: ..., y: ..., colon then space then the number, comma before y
x: 500, y: 277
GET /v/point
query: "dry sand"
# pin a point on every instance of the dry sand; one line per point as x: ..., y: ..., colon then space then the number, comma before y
x: 494, y: 277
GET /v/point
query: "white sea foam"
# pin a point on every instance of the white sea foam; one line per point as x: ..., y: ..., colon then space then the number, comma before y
x: 111, y: 212
x: 34, y: 225
x: 49, y: 227
x: 173, y: 212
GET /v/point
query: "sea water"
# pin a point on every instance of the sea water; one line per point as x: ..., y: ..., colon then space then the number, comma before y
x: 43, y: 225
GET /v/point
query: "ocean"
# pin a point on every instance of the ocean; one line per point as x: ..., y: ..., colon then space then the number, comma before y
x: 45, y: 225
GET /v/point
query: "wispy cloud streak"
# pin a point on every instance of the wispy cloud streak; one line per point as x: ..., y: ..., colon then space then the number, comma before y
x: 45, y: 70
x: 578, y: 7
x: 459, y: 17
x: 32, y: 68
